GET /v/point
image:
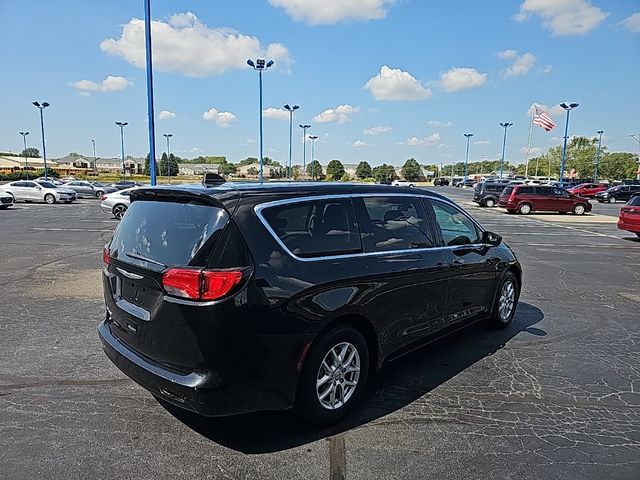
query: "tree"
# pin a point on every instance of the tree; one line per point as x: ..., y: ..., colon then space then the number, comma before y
x: 363, y: 170
x: 147, y: 170
x: 32, y: 152
x: 411, y: 170
x: 314, y: 170
x: 227, y: 168
x: 252, y: 171
x: 618, y: 166
x: 335, y: 170
x: 384, y: 172
x: 248, y: 161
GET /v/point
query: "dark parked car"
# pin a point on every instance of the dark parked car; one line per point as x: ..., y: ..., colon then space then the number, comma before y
x: 629, y: 218
x: 241, y: 297
x: 469, y: 182
x: 441, y: 182
x: 525, y: 199
x: 618, y: 193
x: 486, y: 194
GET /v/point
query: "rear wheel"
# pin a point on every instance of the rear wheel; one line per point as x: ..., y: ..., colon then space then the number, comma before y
x: 334, y: 376
x: 612, y: 199
x: 524, y: 209
x: 49, y: 198
x: 119, y: 211
x: 579, y: 209
x: 504, y: 307
x: 4, y: 207
x: 99, y: 193
x: 489, y: 202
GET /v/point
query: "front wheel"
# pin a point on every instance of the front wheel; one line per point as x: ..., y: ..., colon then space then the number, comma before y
x: 99, y: 193
x: 489, y: 202
x: 334, y: 376
x: 504, y: 308
x: 579, y: 209
x: 50, y: 199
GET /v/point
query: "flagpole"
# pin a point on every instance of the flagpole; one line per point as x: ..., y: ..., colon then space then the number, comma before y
x: 526, y: 169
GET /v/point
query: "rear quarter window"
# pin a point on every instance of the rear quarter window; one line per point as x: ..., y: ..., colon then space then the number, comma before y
x: 507, y: 190
x: 315, y: 228
x: 634, y: 201
x: 166, y: 232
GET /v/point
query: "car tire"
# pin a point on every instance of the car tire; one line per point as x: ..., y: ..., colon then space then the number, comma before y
x: 50, y: 198
x: 489, y: 202
x: 99, y: 193
x: 579, y: 209
x: 411, y: 185
x: 524, y: 209
x: 4, y: 207
x: 612, y: 200
x: 119, y: 210
x: 504, y: 307
x: 320, y: 362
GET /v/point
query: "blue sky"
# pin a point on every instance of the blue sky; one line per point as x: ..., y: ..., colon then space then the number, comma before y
x: 379, y: 80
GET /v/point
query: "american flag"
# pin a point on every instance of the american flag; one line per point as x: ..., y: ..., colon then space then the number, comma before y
x: 542, y: 119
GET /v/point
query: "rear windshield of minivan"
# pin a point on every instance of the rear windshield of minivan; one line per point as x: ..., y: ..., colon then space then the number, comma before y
x: 154, y: 234
x: 507, y: 191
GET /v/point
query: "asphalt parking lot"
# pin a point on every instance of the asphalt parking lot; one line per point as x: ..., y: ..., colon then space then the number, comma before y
x: 556, y: 395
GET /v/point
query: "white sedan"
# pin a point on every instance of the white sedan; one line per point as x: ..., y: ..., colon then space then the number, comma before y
x: 6, y: 200
x: 38, y: 191
x: 399, y: 183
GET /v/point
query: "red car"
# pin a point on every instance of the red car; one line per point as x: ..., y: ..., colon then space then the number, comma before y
x: 525, y: 199
x: 629, y: 218
x: 588, y: 190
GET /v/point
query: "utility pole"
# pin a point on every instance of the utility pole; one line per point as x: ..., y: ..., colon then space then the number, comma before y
x: 595, y: 173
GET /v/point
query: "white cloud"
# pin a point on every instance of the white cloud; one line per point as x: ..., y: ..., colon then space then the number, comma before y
x: 521, y: 63
x: 359, y: 144
x: 166, y: 114
x: 313, y: 12
x: 547, y: 69
x: 507, y: 54
x: 250, y: 141
x: 456, y: 79
x: 109, y: 84
x: 222, y: 119
x: 186, y: 45
x: 377, y: 130
x: 481, y: 142
x: 340, y: 114
x: 437, y: 123
x: 276, y: 113
x: 563, y: 17
x: 533, y: 151
x: 428, y: 141
x: 632, y: 22
x: 394, y: 84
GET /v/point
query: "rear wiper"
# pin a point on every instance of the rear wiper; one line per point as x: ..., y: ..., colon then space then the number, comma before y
x: 144, y: 259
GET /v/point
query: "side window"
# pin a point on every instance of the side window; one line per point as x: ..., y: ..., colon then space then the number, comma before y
x: 316, y: 228
x: 543, y: 191
x: 393, y: 223
x: 29, y: 185
x: 18, y: 184
x: 456, y: 227
x: 525, y: 191
x: 558, y: 192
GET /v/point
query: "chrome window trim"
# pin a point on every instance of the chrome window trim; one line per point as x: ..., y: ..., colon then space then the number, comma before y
x: 275, y: 203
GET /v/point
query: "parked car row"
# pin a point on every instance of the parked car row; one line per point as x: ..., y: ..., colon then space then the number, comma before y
x: 38, y: 191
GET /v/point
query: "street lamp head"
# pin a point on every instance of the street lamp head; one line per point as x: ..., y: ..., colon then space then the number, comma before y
x: 250, y: 63
x: 24, y: 134
x: 36, y: 104
x: 122, y: 124
x: 295, y: 107
x: 564, y: 105
x: 168, y: 135
x: 506, y: 124
x: 287, y: 107
x: 45, y: 104
x: 573, y: 105
x: 313, y: 137
x: 600, y: 132
x: 469, y: 135
x: 305, y: 126
x: 269, y: 63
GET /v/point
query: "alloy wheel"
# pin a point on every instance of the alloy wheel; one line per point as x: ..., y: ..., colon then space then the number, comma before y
x: 506, y: 301
x: 49, y: 198
x: 338, y: 376
x: 118, y: 211
x: 579, y: 209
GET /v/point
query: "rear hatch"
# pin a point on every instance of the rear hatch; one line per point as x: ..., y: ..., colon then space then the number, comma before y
x: 504, y: 196
x: 156, y: 235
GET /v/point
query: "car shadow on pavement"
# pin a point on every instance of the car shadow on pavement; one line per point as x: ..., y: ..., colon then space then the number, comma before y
x: 396, y: 385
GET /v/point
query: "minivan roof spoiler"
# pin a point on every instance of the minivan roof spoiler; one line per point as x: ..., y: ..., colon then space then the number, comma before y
x: 212, y: 180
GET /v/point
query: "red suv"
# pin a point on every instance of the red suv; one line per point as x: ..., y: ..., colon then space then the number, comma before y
x: 588, y: 190
x: 525, y: 199
x: 629, y: 218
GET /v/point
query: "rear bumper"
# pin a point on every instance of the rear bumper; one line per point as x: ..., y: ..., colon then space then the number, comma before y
x: 629, y: 227
x: 199, y: 391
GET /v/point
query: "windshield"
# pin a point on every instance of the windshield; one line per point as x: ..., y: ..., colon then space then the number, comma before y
x: 166, y: 233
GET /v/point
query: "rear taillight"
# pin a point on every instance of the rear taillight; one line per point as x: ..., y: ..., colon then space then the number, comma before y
x: 512, y: 196
x: 103, y: 197
x: 106, y: 258
x: 197, y: 284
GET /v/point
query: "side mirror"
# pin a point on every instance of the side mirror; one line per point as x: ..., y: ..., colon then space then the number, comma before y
x: 490, y: 238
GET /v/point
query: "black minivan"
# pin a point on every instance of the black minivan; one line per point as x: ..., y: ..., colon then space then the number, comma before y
x: 486, y: 194
x: 239, y: 297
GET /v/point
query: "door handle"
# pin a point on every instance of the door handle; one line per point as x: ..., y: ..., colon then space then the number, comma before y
x: 457, y: 264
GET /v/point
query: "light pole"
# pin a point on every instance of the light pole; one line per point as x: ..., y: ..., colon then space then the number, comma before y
x: 122, y: 125
x: 568, y: 108
x: 637, y: 140
x: 26, y: 162
x: 290, y: 110
x: 260, y: 64
x: 168, y: 136
x: 595, y: 174
x: 149, y: 69
x: 466, y: 158
x: 504, y: 125
x: 313, y: 139
x: 41, y: 107
x: 93, y: 144
x: 304, y: 149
